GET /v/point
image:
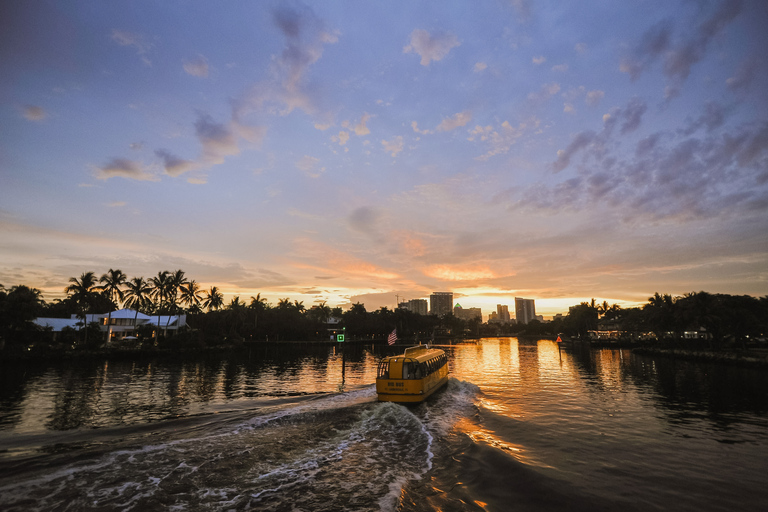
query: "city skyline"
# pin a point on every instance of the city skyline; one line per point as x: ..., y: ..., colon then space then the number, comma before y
x: 350, y: 152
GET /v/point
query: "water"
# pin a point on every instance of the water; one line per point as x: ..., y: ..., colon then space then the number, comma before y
x: 520, y: 426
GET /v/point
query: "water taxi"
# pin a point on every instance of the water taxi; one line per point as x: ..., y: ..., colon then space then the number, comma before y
x: 412, y: 376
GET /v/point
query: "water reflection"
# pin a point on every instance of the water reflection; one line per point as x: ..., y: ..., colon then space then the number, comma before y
x: 563, y: 380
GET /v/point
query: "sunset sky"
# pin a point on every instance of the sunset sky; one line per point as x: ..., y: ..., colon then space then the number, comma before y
x: 358, y: 151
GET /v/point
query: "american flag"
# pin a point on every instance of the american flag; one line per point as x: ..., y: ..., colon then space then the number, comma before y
x: 392, y: 338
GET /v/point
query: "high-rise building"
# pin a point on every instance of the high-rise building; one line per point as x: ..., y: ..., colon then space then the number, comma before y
x: 525, y: 310
x: 418, y: 306
x: 440, y: 303
x: 502, y: 313
x: 467, y: 314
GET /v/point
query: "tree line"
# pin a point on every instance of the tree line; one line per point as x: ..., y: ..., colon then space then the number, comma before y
x: 718, y: 318
x: 211, y: 321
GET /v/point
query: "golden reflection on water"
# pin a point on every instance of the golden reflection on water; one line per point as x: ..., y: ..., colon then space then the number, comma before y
x: 483, y: 435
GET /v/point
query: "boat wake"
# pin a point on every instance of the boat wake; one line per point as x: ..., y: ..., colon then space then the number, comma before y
x: 342, y: 451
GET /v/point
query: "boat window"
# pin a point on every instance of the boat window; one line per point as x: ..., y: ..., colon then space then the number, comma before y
x: 383, y: 372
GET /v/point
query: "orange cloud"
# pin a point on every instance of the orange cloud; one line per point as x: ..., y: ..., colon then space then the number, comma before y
x: 459, y: 273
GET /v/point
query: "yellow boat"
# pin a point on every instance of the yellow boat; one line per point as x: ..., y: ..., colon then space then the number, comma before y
x: 412, y: 376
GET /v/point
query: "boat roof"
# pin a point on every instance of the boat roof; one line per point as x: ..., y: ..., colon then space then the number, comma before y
x: 420, y: 353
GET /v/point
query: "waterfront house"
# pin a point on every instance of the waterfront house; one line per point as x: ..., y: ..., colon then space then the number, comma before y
x: 120, y: 323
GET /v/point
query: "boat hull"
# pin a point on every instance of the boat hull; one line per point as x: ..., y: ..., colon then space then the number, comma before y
x: 417, y: 395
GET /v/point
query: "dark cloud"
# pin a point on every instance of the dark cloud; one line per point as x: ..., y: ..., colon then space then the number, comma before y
x: 218, y: 140
x: 653, y: 43
x: 363, y: 219
x: 632, y: 115
x: 646, y: 145
x: 744, y: 75
x: 678, y: 58
x: 173, y: 165
x: 305, y: 35
x: 668, y: 176
x: 712, y: 117
x: 581, y: 141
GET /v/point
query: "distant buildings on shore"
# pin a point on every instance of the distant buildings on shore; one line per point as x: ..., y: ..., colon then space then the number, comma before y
x: 441, y: 304
x: 525, y: 310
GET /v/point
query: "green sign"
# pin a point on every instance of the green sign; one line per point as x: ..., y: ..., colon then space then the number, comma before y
x: 339, y: 337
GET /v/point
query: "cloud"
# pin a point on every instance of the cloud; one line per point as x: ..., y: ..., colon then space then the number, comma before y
x: 218, y: 140
x: 500, y: 140
x: 457, y: 121
x: 138, y: 41
x: 305, y: 40
x: 678, y: 59
x: 539, y: 60
x: 545, y: 92
x: 305, y: 36
x: 744, y: 75
x: 632, y: 115
x: 124, y: 168
x: 480, y: 66
x: 393, y: 146
x: 431, y: 47
x: 712, y: 117
x: 670, y: 175
x: 594, y: 97
x: 116, y: 204
x: 341, y: 138
x: 308, y: 164
x: 560, y: 68
x: 653, y: 43
x: 34, y: 113
x: 173, y: 165
x: 363, y: 219
x: 581, y: 141
x: 361, y: 128
x: 197, y: 66
x: 581, y: 48
x: 459, y: 272
x: 415, y: 127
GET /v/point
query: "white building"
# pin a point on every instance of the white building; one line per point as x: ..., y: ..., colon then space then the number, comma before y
x: 122, y: 323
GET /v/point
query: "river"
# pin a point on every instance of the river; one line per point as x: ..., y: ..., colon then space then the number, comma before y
x: 521, y: 425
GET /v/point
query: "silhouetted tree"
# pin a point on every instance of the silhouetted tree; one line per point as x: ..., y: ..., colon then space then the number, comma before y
x: 83, y: 291
x: 137, y: 296
x: 111, y: 288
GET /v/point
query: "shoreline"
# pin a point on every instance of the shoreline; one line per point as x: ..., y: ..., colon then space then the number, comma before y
x: 731, y: 357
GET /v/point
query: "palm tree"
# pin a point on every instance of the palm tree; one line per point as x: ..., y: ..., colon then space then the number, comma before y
x: 111, y: 283
x: 258, y: 305
x: 213, y: 299
x: 82, y: 291
x: 161, y: 285
x: 137, y: 294
x: 191, y: 295
x: 175, y: 281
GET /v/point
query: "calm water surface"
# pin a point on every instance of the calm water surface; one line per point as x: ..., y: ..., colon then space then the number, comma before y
x: 521, y: 426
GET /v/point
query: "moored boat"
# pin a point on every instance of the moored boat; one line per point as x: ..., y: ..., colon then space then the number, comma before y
x: 412, y: 376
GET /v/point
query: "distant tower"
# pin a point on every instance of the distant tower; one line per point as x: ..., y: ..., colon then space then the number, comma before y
x: 440, y: 303
x: 525, y: 310
x: 502, y: 313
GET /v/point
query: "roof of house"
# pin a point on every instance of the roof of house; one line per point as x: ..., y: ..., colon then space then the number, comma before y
x: 57, y: 324
x: 126, y: 313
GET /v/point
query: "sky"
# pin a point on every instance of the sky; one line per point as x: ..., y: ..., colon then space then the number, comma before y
x: 372, y: 152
